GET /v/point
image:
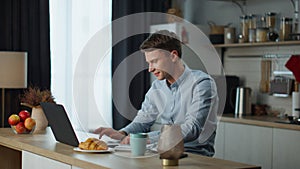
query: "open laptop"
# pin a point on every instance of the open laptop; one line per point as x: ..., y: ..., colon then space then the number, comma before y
x: 62, y: 128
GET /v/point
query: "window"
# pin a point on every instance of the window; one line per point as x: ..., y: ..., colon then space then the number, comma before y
x: 72, y: 24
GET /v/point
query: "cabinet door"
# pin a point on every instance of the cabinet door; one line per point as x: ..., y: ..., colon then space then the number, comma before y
x: 248, y: 144
x: 286, y: 149
x: 219, y: 142
x: 10, y: 158
x: 34, y: 161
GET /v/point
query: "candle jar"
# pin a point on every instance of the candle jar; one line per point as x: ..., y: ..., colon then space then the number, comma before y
x: 170, y: 144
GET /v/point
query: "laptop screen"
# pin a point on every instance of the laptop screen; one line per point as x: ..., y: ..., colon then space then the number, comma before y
x: 60, y: 124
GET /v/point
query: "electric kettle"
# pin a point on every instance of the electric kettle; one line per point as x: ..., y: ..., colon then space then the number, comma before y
x: 243, y: 101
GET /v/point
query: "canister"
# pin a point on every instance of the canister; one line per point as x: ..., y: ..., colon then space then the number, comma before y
x: 271, y: 19
x: 252, y: 27
x: 262, y: 34
x: 244, y: 22
x: 285, y: 28
x: 253, y: 19
x: 229, y: 35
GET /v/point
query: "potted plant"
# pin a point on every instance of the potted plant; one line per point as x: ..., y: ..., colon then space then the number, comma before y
x: 32, y: 97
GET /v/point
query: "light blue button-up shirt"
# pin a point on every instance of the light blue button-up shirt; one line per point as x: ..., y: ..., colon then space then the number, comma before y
x: 191, y: 101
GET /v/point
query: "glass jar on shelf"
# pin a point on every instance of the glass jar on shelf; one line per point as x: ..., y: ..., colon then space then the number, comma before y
x: 262, y: 34
x: 271, y: 19
x: 285, y: 28
x: 244, y: 22
x: 252, y: 27
x: 271, y: 24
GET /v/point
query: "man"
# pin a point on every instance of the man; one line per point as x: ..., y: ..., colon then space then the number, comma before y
x: 178, y: 96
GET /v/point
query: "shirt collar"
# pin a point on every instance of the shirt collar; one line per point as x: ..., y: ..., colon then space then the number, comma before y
x: 182, y: 77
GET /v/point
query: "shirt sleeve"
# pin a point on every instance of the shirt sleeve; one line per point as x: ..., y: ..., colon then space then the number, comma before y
x: 145, y: 117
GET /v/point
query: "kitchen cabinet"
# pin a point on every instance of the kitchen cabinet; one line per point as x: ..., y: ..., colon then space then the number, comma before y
x: 286, y: 148
x: 34, y: 161
x: 248, y: 144
x: 74, y: 167
x: 244, y: 143
x: 219, y: 141
x: 9, y: 158
x: 268, y: 144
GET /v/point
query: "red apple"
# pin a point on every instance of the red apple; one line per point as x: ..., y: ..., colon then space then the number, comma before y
x: 24, y: 114
x: 29, y: 123
x: 20, y: 128
x: 13, y: 119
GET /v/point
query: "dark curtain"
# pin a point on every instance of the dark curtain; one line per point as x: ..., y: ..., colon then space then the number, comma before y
x: 24, y: 26
x: 141, y: 82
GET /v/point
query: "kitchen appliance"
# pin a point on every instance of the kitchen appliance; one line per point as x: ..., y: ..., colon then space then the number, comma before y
x: 243, y: 101
x: 232, y: 82
x: 281, y: 86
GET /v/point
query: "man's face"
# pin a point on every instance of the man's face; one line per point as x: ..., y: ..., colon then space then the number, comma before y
x: 160, y: 63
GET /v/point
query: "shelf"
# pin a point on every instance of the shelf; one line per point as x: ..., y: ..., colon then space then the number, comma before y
x: 228, y: 0
x: 234, y: 45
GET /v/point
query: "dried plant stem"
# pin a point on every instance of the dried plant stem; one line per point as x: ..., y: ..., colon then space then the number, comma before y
x: 27, y: 105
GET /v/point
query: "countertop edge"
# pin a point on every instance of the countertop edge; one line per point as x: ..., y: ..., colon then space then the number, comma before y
x: 20, y: 146
x: 261, y: 123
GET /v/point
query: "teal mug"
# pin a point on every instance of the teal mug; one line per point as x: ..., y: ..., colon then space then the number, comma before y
x: 138, y: 143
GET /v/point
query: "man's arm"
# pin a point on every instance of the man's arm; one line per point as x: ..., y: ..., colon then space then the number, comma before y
x: 204, y: 102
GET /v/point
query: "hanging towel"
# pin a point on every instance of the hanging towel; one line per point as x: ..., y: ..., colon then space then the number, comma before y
x: 293, y: 64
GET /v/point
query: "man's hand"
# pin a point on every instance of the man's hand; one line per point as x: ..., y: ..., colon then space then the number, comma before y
x: 114, y: 134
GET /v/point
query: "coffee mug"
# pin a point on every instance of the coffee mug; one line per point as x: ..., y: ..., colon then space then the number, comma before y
x: 138, y: 142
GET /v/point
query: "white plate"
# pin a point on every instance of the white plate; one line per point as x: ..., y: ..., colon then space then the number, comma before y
x: 109, y: 150
x: 127, y: 154
x: 123, y: 148
x: 126, y: 147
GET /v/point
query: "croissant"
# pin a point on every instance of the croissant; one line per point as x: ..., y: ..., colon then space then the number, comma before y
x: 93, y: 144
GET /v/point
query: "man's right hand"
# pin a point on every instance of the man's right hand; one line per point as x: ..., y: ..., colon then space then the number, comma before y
x: 114, y: 134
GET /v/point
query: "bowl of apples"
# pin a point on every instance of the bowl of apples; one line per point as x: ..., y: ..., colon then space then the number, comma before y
x: 22, y: 123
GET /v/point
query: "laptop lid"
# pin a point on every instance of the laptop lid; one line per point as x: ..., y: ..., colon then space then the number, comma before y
x: 60, y: 124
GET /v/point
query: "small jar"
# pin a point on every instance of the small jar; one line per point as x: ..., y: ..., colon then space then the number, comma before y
x: 285, y: 28
x: 244, y: 19
x: 262, y: 34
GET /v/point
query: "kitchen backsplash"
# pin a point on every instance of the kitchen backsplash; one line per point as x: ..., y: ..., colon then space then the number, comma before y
x: 248, y: 68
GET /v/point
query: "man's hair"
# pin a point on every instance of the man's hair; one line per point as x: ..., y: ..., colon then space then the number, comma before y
x: 164, y: 40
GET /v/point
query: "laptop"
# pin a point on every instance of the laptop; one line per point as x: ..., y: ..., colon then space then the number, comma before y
x: 62, y: 128
x: 60, y: 124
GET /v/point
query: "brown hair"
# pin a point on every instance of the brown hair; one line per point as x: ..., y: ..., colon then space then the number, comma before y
x: 162, y: 39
